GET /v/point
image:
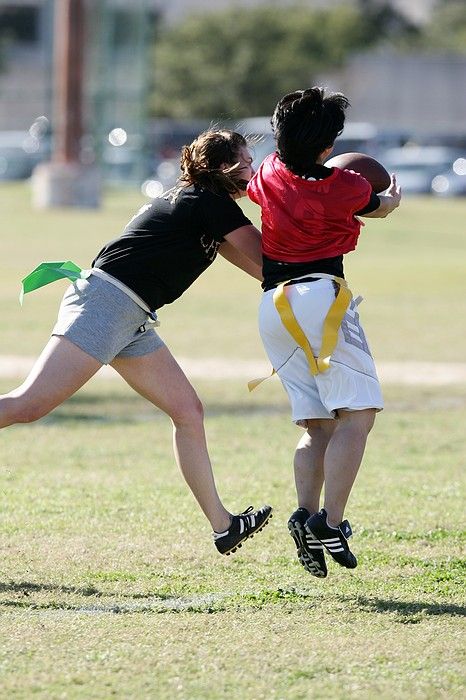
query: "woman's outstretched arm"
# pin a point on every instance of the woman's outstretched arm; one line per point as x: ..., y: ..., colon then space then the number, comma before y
x: 242, y: 248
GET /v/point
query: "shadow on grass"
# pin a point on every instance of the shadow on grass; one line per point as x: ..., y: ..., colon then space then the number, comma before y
x: 27, y: 587
x: 62, y: 416
x: 409, y: 609
x: 101, y: 410
x: 408, y: 612
x: 150, y: 602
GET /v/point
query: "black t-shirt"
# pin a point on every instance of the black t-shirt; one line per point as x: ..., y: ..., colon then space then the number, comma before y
x: 170, y: 242
x: 275, y: 271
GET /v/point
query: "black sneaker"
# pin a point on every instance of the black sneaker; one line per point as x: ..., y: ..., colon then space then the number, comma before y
x: 334, y: 539
x: 244, y: 525
x: 310, y: 551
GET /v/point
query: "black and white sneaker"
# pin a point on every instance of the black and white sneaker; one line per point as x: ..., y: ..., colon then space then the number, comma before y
x: 244, y: 525
x: 310, y: 551
x: 334, y: 539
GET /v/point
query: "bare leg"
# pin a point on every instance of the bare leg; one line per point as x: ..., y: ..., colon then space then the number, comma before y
x: 343, y: 458
x: 61, y: 369
x: 309, y: 463
x: 159, y: 378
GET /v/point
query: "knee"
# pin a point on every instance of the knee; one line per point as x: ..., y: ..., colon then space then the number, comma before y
x: 357, y: 421
x: 313, y: 443
x: 305, y: 442
x: 18, y: 410
x: 368, y: 420
x: 188, y: 412
x: 371, y: 422
x: 303, y: 449
x: 319, y: 430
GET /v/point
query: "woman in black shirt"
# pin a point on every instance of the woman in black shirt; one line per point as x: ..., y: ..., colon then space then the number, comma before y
x: 107, y: 317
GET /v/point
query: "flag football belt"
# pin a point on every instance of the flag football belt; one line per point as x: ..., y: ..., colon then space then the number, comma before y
x: 48, y: 272
x: 332, y: 323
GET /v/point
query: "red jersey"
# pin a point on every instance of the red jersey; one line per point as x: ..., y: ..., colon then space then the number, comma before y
x: 305, y: 220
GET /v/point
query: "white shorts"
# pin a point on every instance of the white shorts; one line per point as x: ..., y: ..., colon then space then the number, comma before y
x: 350, y: 383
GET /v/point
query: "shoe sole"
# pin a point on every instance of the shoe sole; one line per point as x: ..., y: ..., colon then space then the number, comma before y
x: 306, y: 559
x: 240, y: 544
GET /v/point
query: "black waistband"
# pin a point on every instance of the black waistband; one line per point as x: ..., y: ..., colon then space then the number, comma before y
x: 297, y: 281
x: 304, y: 279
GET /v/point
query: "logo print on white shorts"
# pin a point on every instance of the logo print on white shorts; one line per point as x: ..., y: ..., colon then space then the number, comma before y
x: 354, y: 334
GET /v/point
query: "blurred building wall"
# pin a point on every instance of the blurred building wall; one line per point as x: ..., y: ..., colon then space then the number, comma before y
x: 416, y: 92
x: 26, y: 78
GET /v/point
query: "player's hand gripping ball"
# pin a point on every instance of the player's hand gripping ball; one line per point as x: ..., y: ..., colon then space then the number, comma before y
x: 368, y: 167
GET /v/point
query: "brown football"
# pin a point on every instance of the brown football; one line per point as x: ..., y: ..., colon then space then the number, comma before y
x: 368, y: 167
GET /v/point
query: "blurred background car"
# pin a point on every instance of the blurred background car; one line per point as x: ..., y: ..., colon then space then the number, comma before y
x: 417, y: 166
x: 20, y: 152
x: 451, y: 183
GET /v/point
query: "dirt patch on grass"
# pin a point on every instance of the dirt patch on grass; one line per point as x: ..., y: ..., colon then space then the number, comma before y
x: 216, y: 368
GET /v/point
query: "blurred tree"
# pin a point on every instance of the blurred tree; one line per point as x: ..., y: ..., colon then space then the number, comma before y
x: 386, y: 22
x: 447, y: 29
x: 241, y: 61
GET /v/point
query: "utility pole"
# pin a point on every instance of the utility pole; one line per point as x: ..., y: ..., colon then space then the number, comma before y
x: 65, y: 181
x: 68, y: 72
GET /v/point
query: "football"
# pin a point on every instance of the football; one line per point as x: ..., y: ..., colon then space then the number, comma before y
x: 368, y: 167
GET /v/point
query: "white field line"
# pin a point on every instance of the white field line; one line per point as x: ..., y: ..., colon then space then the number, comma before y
x: 407, y: 372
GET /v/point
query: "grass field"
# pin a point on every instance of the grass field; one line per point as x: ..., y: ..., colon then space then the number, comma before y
x: 109, y: 583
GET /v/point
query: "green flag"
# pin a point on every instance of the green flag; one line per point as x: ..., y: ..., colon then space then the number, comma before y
x: 48, y: 272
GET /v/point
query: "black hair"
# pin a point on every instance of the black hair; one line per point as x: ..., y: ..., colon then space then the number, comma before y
x: 305, y: 123
x: 201, y: 161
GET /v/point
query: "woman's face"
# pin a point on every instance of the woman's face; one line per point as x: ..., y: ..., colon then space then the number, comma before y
x: 245, y: 164
x: 244, y: 170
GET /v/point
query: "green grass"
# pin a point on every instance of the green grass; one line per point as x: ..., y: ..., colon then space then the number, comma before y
x: 102, y: 594
x: 109, y: 583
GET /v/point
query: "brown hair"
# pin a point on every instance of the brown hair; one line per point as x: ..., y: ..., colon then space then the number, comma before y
x: 200, y: 162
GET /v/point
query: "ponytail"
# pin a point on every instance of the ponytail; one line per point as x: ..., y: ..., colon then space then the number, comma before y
x: 200, y: 162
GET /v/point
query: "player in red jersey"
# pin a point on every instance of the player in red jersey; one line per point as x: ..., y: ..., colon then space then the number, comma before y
x: 308, y: 320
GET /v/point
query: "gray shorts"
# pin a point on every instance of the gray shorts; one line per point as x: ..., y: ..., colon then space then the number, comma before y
x: 104, y: 321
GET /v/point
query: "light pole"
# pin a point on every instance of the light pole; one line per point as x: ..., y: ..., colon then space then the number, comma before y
x: 65, y: 181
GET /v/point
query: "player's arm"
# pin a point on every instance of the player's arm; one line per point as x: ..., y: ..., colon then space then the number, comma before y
x: 242, y: 247
x: 388, y: 202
